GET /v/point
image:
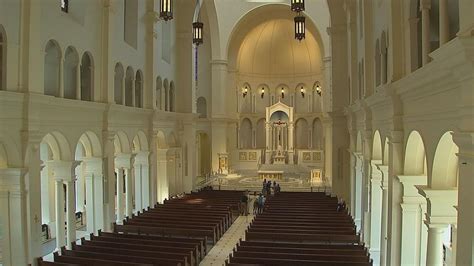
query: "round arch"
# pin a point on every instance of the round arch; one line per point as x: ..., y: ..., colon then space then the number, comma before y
x: 377, y: 146
x: 161, y: 140
x: 140, y: 142
x: 444, y: 172
x: 59, y: 146
x: 415, y: 155
x: 121, y: 143
x: 91, y: 144
x: 52, y: 57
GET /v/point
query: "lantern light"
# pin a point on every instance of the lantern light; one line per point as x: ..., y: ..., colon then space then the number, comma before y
x: 300, y: 33
x: 166, y: 9
x: 318, y: 88
x: 282, y: 93
x: 297, y: 5
x: 245, y: 91
x: 302, y: 91
x: 262, y: 93
x: 197, y: 32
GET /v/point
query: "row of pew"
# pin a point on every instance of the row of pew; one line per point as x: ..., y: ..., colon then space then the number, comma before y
x: 178, y: 232
x: 301, y: 228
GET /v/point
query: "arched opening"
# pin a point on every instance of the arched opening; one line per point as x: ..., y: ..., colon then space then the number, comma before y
x: 139, y: 89
x: 377, y: 147
x: 203, y: 154
x: 386, y: 152
x: 414, y: 20
x: 123, y: 176
x: 3, y: 59
x: 246, y: 134
x: 318, y: 134
x: 140, y: 177
x: 384, y: 57
x: 162, y: 188
x: 167, y: 98
x: 260, y: 132
x: 118, y: 83
x: 415, y: 156
x: 301, y: 133
x: 245, y: 93
x: 71, y: 71
x: 87, y: 78
x: 301, y: 100
x: 129, y: 84
x: 172, y: 96
x: 201, y: 107
x: 445, y: 164
x: 262, y: 98
x: 159, y: 95
x: 377, y: 63
x: 52, y: 68
x: 57, y: 189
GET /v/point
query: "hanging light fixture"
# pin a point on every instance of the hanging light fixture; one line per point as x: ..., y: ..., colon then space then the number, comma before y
x: 300, y: 32
x: 297, y: 5
x: 302, y: 91
x: 262, y: 93
x: 282, y: 93
x: 245, y: 91
x: 166, y: 9
x: 197, y: 32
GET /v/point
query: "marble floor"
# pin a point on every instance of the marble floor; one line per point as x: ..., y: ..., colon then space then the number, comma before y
x: 220, y: 252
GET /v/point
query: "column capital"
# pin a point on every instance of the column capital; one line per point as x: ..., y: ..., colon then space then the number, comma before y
x: 425, y: 4
x: 64, y: 170
x: 11, y: 179
x: 440, y: 204
x: 124, y: 160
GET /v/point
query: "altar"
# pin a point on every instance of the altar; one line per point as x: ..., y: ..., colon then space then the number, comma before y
x: 279, y: 134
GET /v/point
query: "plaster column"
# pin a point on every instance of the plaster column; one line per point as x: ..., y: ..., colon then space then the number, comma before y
x: 290, y: 143
x: 435, y: 244
x: 162, y: 174
x: 254, y: 138
x: 119, y: 200
x: 137, y: 174
x: 59, y: 211
x: 71, y: 213
x: 80, y: 193
x: 412, y: 235
x: 133, y: 92
x: 443, y: 22
x: 12, y: 206
x: 375, y: 212
x: 465, y: 208
x: 384, y: 220
x: 109, y: 177
x: 358, y: 191
x: 94, y: 194
x: 128, y: 193
x: 425, y: 6
x: 61, y: 77
x: 440, y: 214
x: 123, y: 89
x: 152, y: 171
x: 78, y: 81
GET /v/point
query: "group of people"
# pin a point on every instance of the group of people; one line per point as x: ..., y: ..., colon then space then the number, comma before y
x: 259, y: 204
x: 341, y: 205
x: 267, y: 187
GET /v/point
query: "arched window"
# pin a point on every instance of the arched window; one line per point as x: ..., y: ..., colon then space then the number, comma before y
x: 415, y: 35
x: 139, y: 89
x: 87, y: 80
x: 159, y: 85
x: 260, y: 134
x: 3, y: 59
x: 384, y: 57
x: 201, y: 107
x: 377, y: 63
x: 129, y: 83
x: 301, y: 134
x: 51, y: 69
x: 166, y: 87
x: 118, y: 84
x: 172, y: 95
x: 317, y: 134
x: 71, y: 71
x: 246, y: 134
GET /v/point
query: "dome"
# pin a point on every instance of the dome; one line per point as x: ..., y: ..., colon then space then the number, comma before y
x: 270, y: 49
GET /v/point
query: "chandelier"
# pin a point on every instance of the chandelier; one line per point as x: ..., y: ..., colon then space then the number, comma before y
x: 300, y: 27
x: 297, y: 5
x: 166, y: 9
x: 197, y: 32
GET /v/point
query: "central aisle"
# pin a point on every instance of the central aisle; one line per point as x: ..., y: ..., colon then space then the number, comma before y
x: 220, y: 252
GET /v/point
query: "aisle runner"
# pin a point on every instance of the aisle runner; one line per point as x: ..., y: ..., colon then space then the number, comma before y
x: 220, y: 252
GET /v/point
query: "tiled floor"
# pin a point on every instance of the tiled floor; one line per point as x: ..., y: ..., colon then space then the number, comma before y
x: 220, y: 252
